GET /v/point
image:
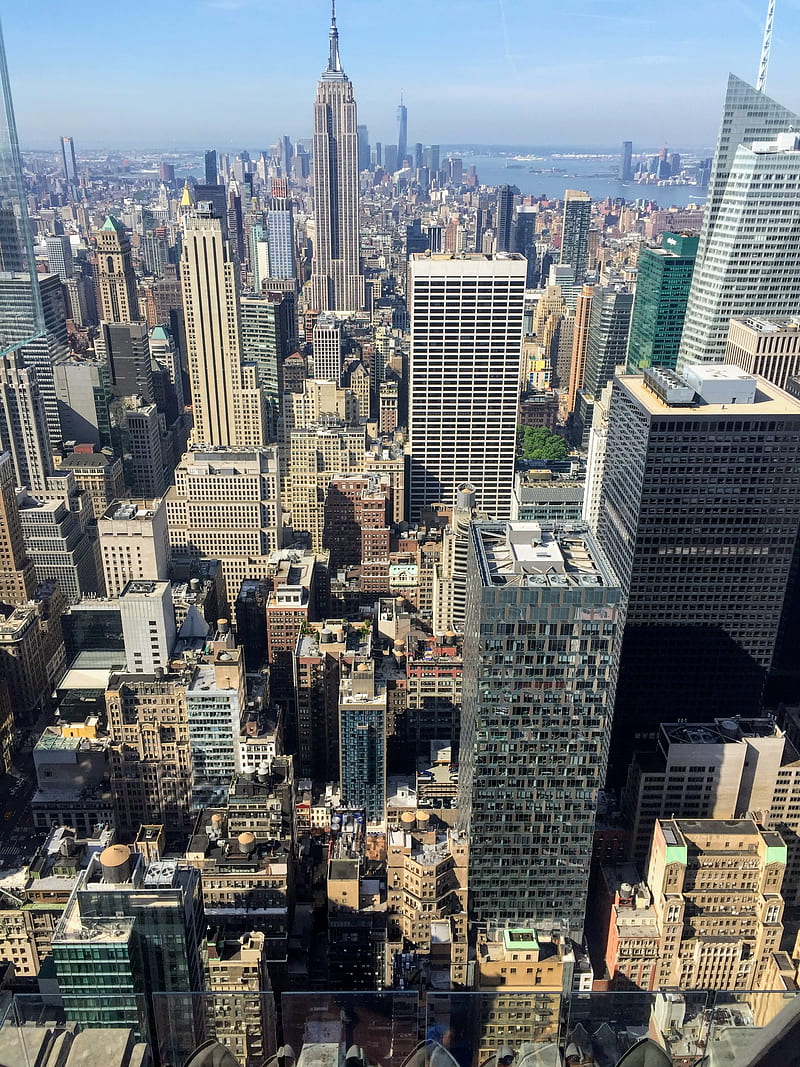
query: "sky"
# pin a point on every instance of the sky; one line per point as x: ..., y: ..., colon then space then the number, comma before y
x: 241, y: 73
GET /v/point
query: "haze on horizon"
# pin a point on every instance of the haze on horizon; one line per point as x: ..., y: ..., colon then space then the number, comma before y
x: 243, y: 72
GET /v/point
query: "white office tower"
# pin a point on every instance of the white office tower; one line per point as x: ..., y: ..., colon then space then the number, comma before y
x: 227, y: 405
x: 748, y: 255
x: 327, y: 349
x: 148, y: 625
x: 466, y: 344
x: 336, y: 282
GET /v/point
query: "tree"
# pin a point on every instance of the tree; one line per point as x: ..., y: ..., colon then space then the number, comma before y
x: 538, y: 443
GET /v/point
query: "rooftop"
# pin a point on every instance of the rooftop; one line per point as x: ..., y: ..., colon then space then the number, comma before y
x: 769, y: 401
x: 538, y: 554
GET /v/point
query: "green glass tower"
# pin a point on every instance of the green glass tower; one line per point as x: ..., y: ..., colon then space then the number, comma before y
x: 662, y: 291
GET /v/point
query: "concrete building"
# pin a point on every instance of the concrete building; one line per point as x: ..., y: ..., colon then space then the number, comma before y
x: 98, y: 475
x: 216, y: 700
x: 768, y: 347
x: 244, y: 850
x: 226, y: 505
x: 294, y: 578
x: 540, y: 497
x: 73, y: 769
x: 148, y: 625
x: 426, y: 903
x: 17, y: 576
x: 522, y: 791
x: 717, y: 893
x: 57, y: 542
x: 704, y: 558
x: 242, y: 1016
x: 151, y: 766
x: 327, y: 349
x: 23, y: 426
x: 735, y: 765
x: 466, y: 317
x: 316, y: 455
x: 134, y: 542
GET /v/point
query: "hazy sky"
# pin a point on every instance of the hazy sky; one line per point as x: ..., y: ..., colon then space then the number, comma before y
x: 235, y: 73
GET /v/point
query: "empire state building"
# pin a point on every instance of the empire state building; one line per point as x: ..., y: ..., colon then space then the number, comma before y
x: 336, y: 281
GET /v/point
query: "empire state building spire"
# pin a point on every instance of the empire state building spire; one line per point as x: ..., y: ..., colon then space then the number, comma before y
x: 336, y: 282
x: 334, y: 62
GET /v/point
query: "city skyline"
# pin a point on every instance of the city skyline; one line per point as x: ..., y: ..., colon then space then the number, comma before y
x: 670, y: 94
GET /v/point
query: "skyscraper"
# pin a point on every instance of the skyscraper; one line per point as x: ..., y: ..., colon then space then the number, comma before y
x: 116, y: 278
x: 534, y: 738
x: 336, y: 281
x: 210, y: 162
x: 363, y: 148
x: 466, y: 343
x: 748, y: 254
x: 17, y: 577
x: 59, y: 256
x: 504, y: 222
x: 607, y: 341
x: 70, y: 165
x: 688, y: 521
x: 227, y: 403
x: 575, y: 232
x: 23, y: 428
x: 662, y: 289
x: 402, y: 132
x: 280, y: 232
x: 626, y: 170
x: 21, y: 317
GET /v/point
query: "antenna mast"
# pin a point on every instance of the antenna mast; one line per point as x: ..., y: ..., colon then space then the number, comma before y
x: 763, y: 66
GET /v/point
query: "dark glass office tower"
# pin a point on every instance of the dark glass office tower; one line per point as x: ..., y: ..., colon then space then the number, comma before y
x: 504, y: 223
x: 699, y: 515
x: 662, y: 289
x: 541, y: 638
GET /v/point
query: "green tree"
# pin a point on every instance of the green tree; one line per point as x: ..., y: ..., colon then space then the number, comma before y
x: 539, y: 443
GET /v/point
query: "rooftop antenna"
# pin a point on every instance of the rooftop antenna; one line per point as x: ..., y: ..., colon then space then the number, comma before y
x: 763, y: 66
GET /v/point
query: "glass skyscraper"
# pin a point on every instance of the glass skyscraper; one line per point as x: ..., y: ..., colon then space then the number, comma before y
x: 748, y: 258
x: 659, y: 310
x: 21, y: 316
x: 542, y: 632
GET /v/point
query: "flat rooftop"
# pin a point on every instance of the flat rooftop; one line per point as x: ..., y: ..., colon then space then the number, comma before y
x: 546, y: 554
x: 770, y: 401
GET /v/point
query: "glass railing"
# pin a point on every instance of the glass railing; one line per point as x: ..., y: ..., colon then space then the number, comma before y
x: 404, y: 1029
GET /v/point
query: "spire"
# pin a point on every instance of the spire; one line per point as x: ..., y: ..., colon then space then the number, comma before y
x: 334, y: 63
x: 763, y: 66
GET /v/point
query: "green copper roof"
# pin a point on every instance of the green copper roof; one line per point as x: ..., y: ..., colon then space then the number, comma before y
x: 113, y: 224
x: 159, y: 333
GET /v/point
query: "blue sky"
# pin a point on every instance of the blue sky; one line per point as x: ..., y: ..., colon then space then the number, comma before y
x: 242, y: 72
